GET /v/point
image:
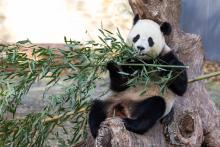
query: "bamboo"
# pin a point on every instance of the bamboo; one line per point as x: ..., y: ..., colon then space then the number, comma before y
x: 203, y: 77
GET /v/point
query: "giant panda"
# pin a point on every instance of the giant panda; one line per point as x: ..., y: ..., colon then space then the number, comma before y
x: 140, y: 111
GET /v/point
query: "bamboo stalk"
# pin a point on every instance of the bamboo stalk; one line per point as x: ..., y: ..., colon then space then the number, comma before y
x: 57, y: 117
x: 155, y: 65
x: 206, y: 76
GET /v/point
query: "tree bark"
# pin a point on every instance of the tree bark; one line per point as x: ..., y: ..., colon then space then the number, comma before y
x: 196, y: 119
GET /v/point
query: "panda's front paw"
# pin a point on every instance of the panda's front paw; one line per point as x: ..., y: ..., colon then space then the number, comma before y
x: 113, y: 66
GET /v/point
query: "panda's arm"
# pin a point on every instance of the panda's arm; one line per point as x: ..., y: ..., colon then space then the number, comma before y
x: 118, y: 81
x: 179, y: 82
x: 121, y: 74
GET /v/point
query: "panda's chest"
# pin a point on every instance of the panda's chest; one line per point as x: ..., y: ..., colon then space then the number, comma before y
x: 138, y: 93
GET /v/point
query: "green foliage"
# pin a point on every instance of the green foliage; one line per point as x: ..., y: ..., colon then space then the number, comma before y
x: 85, y: 63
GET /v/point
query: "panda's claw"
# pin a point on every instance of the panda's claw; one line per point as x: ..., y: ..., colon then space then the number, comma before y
x: 166, y: 120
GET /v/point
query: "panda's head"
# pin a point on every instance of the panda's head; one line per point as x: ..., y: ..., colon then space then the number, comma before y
x: 147, y: 37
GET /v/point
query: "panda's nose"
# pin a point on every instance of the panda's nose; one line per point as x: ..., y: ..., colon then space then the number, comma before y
x: 141, y: 48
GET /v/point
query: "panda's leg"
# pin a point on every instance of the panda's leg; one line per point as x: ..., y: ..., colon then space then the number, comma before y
x: 166, y: 120
x: 145, y: 114
x: 97, y: 115
x: 179, y: 82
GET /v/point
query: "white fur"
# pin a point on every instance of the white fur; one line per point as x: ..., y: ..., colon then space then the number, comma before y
x: 141, y: 92
x: 147, y: 28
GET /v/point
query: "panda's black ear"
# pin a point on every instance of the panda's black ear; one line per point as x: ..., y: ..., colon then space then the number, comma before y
x: 136, y: 18
x: 166, y: 28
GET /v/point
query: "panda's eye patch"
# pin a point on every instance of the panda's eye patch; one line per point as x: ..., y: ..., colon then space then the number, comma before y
x: 135, y: 39
x: 150, y: 41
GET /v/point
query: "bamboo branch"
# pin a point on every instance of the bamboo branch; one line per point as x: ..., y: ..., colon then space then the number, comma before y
x: 57, y: 117
x: 199, y: 78
x: 71, y: 113
x: 203, y: 77
x: 155, y: 65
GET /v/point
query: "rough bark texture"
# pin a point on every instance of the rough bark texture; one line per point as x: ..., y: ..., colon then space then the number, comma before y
x: 196, y: 119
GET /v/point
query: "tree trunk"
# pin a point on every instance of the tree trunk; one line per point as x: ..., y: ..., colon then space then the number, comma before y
x: 196, y: 119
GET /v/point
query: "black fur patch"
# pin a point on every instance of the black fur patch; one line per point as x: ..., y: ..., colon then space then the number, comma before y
x: 136, y: 18
x: 146, y: 114
x: 117, y: 81
x: 96, y: 116
x: 166, y: 28
x: 178, y: 85
x: 150, y: 41
x: 135, y: 39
